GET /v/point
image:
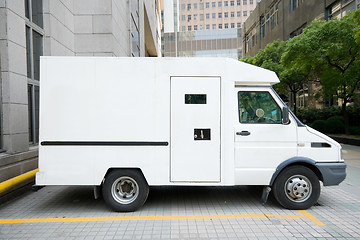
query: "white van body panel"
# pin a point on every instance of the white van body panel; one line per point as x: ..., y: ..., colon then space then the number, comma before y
x: 98, y: 113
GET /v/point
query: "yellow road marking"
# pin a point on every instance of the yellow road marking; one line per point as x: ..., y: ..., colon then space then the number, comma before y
x: 311, y: 217
x: 303, y: 214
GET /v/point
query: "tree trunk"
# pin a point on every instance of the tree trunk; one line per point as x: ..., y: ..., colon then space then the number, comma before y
x: 294, y: 94
x: 346, y: 117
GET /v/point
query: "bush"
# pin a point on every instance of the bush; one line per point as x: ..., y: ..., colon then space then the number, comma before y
x: 318, y: 125
x: 340, y: 118
x: 334, y: 125
x: 355, y: 130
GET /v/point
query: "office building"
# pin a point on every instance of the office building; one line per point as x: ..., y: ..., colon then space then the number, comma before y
x: 200, y: 28
x: 284, y: 19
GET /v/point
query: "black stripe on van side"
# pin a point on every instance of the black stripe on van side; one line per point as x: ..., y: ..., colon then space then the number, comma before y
x: 95, y: 143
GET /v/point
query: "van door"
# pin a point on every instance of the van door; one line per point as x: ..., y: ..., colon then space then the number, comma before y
x: 262, y: 142
x: 195, y: 129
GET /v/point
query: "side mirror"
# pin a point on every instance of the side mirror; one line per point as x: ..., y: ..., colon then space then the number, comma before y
x: 285, y: 115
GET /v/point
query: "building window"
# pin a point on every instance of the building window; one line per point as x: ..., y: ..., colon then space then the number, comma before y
x: 201, y: 6
x: 232, y: 14
x: 34, y: 49
x: 244, y: 13
x: 213, y: 4
x: 195, y: 27
x: 226, y: 15
x: 183, y: 17
x: 213, y: 15
x: 189, y: 17
x: 226, y: 25
x: 182, y: 6
x: 232, y: 3
x: 238, y: 25
x: 208, y: 16
x: 183, y: 28
x: 226, y: 3
x: 251, y: 2
x: 134, y: 28
x: 189, y: 28
x: 219, y: 15
x: 238, y: 14
x: 207, y: 5
x: 195, y: 16
x: 188, y: 6
x: 238, y: 2
x: 201, y: 27
x: 220, y: 26
x: 214, y: 26
x: 244, y: 2
x: 232, y: 25
x: 201, y: 17
x: 207, y: 26
x: 195, y: 5
x: 219, y: 4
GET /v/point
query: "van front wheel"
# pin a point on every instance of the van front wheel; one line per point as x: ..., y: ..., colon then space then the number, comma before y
x: 125, y: 190
x: 297, y: 187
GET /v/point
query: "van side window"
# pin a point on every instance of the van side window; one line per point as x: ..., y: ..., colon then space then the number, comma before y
x: 258, y: 107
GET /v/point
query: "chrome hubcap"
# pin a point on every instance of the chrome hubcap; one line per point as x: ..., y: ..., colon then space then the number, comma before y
x: 125, y: 190
x: 298, y: 188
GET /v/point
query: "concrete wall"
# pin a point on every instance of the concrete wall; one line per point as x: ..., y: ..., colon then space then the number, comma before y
x: 70, y: 28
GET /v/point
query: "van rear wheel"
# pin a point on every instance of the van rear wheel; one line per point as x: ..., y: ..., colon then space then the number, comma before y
x: 297, y: 187
x: 125, y: 190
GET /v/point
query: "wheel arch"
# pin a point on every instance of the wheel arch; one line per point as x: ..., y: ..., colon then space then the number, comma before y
x: 125, y: 168
x: 302, y: 161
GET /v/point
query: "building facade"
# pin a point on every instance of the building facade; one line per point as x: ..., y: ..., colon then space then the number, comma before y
x: 197, y: 15
x: 284, y: 19
x: 33, y: 28
x: 200, y: 28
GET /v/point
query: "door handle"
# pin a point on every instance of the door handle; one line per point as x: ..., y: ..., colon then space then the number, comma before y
x: 243, y: 133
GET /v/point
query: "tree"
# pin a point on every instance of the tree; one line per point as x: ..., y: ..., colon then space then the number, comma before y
x: 291, y: 78
x: 329, y: 50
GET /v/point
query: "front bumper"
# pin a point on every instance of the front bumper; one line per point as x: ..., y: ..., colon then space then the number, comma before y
x: 332, y: 173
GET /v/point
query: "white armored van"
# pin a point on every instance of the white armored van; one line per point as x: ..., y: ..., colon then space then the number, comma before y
x: 129, y: 123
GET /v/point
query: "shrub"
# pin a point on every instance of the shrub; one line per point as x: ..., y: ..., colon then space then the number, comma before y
x: 334, y: 125
x: 318, y: 125
x: 355, y: 130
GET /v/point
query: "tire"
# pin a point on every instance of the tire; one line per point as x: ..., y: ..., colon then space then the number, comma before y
x: 297, y: 187
x: 125, y: 190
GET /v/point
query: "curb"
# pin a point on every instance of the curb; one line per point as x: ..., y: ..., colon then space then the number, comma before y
x: 12, y: 182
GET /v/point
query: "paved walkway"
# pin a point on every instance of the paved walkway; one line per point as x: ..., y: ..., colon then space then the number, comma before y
x: 186, y: 213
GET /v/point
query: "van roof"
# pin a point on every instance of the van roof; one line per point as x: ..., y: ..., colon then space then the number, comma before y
x: 230, y: 69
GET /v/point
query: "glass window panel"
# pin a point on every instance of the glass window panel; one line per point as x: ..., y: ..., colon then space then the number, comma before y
x: 37, y: 104
x: 30, y: 115
x: 37, y: 52
x: 195, y: 98
x: 258, y: 107
x: 28, y: 51
x: 37, y: 12
x: 27, y: 15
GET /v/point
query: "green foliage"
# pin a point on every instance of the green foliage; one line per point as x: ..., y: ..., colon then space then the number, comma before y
x: 327, y: 50
x: 311, y: 115
x: 319, y: 125
x: 355, y: 130
x: 334, y: 125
